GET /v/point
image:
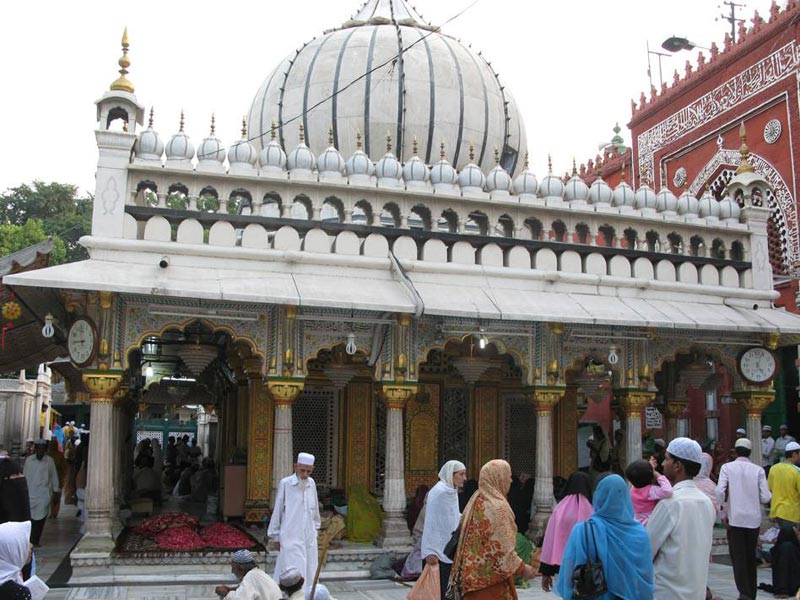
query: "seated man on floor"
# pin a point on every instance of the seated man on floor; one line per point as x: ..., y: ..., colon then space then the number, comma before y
x: 255, y: 584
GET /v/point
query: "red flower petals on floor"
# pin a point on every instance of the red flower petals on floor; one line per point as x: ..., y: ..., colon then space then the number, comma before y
x: 179, y: 538
x: 220, y: 535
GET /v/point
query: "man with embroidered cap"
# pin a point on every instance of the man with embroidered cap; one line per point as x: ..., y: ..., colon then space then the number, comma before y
x: 295, y: 520
x: 292, y: 584
x: 742, y: 489
x: 255, y: 584
x: 784, y: 481
x: 680, y: 528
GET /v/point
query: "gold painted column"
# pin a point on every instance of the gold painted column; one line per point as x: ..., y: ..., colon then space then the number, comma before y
x: 259, y: 444
x: 544, y: 399
x: 674, y: 409
x: 284, y: 391
x: 359, y: 425
x: 755, y: 400
x: 102, y: 386
x: 632, y: 402
x: 394, y: 532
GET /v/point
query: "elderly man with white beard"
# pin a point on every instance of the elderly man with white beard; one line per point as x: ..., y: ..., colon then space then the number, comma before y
x: 295, y: 521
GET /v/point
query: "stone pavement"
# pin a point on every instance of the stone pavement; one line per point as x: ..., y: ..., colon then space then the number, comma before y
x: 61, y: 534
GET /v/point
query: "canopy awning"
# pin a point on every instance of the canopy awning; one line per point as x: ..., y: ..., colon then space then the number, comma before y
x: 377, y: 287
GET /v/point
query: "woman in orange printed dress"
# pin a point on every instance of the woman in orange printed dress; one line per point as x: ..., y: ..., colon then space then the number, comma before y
x: 485, y: 562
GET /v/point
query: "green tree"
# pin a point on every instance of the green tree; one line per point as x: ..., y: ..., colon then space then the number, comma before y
x: 17, y: 237
x: 61, y: 212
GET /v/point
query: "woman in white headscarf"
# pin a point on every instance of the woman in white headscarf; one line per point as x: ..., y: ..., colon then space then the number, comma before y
x: 15, y: 552
x: 442, y: 517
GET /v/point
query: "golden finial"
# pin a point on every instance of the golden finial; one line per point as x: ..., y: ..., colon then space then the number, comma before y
x: 358, y: 139
x: 302, y: 134
x: 330, y: 135
x: 388, y: 141
x: 244, y: 127
x: 745, y: 167
x: 497, y: 156
x: 274, y: 131
x: 121, y: 83
x: 414, y: 146
x: 622, y: 172
x: 574, y: 167
x: 150, y: 121
x: 213, y: 124
x: 471, y: 153
x: 549, y: 163
x: 525, y: 163
x: 441, y: 150
x: 180, y: 129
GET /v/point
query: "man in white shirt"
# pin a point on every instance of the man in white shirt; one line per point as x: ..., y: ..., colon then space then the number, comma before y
x: 680, y: 528
x: 42, y: 479
x: 255, y: 584
x: 767, y: 446
x: 779, y: 449
x: 295, y: 521
x: 742, y: 488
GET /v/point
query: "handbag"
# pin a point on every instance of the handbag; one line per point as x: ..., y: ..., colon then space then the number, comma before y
x: 588, y: 579
x: 452, y: 544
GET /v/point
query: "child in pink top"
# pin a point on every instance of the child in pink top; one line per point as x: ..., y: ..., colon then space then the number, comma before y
x: 648, y: 488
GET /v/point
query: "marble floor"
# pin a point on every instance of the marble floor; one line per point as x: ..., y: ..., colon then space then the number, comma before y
x: 61, y: 534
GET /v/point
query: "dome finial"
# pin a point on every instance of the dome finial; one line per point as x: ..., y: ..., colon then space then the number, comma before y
x: 302, y: 134
x: 414, y: 146
x: 471, y: 153
x: 497, y: 156
x: 330, y: 135
x: 180, y: 129
x: 213, y: 124
x: 574, y: 167
x: 244, y: 127
x: 745, y: 167
x: 622, y: 172
x: 273, y: 132
x: 121, y: 83
x: 388, y: 141
x: 358, y: 139
x: 525, y: 163
x: 150, y: 121
x: 549, y: 163
x: 441, y: 150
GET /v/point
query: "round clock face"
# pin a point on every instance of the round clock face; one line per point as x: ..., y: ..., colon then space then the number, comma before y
x: 81, y: 342
x: 757, y: 365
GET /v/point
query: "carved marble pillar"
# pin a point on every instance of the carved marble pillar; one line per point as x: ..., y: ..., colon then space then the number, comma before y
x: 544, y: 400
x: 118, y: 465
x: 259, y: 444
x: 674, y: 409
x: 394, y: 532
x: 755, y: 401
x: 632, y: 403
x: 283, y: 392
x: 102, y: 386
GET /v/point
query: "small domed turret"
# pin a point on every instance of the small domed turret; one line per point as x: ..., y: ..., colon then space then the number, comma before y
x: 551, y: 186
x: 525, y: 184
x: 666, y: 201
x: 498, y: 181
x: 301, y: 160
x: 471, y: 179
x: 359, y: 167
x: 179, y: 149
x: 415, y: 172
x: 729, y: 209
x: 688, y: 205
x: 388, y: 169
x: 709, y: 207
x: 600, y: 192
x: 272, y: 158
x: 645, y: 199
x: 330, y: 163
x: 210, y: 153
x: 624, y: 197
x: 242, y: 155
x: 576, y: 191
x: 443, y: 175
x: 149, y: 145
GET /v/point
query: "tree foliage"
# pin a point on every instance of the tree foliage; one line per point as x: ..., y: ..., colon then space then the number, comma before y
x: 31, y: 213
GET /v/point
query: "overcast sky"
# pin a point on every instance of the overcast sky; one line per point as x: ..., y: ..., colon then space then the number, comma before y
x: 573, y: 66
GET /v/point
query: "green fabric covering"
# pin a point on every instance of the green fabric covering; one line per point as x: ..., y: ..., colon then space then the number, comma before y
x: 364, y: 516
x: 524, y: 549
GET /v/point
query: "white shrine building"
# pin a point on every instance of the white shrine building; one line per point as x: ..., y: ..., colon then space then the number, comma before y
x: 392, y: 301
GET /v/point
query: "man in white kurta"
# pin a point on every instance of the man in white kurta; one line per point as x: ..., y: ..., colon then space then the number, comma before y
x: 681, y: 527
x: 295, y: 521
x: 254, y: 583
x: 41, y: 477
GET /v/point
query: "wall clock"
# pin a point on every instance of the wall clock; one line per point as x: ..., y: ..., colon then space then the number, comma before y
x: 82, y: 341
x: 757, y: 366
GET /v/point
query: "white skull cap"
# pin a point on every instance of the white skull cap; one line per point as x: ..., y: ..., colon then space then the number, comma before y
x: 686, y: 449
x: 304, y: 458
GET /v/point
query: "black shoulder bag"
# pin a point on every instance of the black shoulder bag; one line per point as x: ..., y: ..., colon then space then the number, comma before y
x: 452, y: 544
x: 588, y: 580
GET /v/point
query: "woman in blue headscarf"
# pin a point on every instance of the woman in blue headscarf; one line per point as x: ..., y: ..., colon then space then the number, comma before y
x: 621, y: 544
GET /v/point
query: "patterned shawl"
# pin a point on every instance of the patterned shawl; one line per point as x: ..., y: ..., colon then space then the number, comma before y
x: 485, y: 554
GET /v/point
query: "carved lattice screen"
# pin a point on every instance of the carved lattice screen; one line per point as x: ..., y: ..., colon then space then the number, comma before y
x: 454, y: 426
x: 314, y: 430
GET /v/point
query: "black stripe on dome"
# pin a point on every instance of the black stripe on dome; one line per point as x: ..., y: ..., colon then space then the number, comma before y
x: 432, y: 107
x: 460, y: 100
x: 367, y: 86
x: 485, y: 109
x: 335, y: 101
x: 280, y: 102
x: 398, y: 144
x: 308, y: 85
x: 261, y: 129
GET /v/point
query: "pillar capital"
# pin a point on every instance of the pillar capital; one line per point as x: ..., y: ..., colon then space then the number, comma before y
x: 102, y: 385
x: 675, y: 408
x: 545, y: 398
x: 755, y: 400
x: 121, y: 395
x: 632, y: 401
x: 252, y: 368
x: 397, y: 394
x: 285, y: 391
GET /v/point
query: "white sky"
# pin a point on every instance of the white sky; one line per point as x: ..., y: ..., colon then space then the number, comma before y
x: 573, y: 66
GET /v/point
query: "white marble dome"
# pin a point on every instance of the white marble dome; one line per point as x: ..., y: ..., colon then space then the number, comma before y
x: 272, y: 157
x: 666, y: 201
x: 242, y: 151
x: 439, y: 89
x: 331, y: 160
x: 388, y: 167
x: 498, y: 180
x: 359, y: 163
x: 600, y: 192
x: 179, y: 146
x: 645, y: 198
x: 709, y: 207
x: 623, y: 195
x: 688, y: 204
x: 471, y: 176
x: 210, y: 150
x: 149, y: 145
x: 576, y: 189
x: 443, y: 173
x: 526, y: 182
x: 415, y: 171
x: 729, y: 209
x: 301, y: 158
